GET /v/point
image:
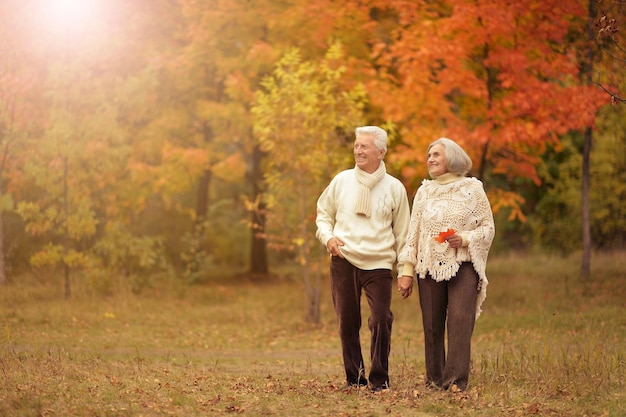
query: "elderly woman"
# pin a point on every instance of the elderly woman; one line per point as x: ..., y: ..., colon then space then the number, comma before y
x: 449, y: 238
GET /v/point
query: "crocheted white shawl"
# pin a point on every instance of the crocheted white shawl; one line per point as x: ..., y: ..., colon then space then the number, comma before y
x: 461, y: 205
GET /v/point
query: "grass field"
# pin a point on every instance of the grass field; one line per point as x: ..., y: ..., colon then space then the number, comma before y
x: 547, y: 344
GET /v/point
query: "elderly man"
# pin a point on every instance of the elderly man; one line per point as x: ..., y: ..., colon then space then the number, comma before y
x: 363, y: 218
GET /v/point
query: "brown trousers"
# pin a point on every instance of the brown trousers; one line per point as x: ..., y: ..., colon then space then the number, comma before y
x: 455, y: 299
x: 347, y: 283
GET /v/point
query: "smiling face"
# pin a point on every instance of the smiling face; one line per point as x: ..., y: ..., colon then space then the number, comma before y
x: 366, y: 155
x: 437, y: 162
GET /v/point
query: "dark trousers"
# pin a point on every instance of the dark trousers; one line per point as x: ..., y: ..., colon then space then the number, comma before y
x: 455, y: 299
x: 347, y: 283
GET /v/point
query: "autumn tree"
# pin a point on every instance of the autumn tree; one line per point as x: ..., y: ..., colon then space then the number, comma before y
x: 207, y: 87
x: 201, y: 133
x: 146, y: 156
x: 17, y: 117
x: 556, y: 222
x: 228, y: 48
x: 62, y: 208
x: 55, y: 210
x: 304, y: 117
x: 497, y: 78
x: 74, y: 182
x: 601, y: 40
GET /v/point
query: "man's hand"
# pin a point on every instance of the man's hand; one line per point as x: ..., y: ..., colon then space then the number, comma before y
x: 333, y: 247
x: 405, y: 285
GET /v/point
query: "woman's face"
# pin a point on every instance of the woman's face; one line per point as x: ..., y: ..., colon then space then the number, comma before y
x: 437, y: 162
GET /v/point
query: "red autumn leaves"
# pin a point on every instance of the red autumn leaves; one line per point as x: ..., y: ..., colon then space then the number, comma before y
x: 443, y: 235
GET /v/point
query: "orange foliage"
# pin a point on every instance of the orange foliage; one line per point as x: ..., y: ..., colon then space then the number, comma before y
x: 501, y: 199
x: 496, y: 79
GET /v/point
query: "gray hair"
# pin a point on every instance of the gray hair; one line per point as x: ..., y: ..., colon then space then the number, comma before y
x: 379, y: 135
x: 458, y: 160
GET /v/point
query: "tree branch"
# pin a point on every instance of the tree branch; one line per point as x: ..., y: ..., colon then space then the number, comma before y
x: 614, y: 97
x: 608, y: 29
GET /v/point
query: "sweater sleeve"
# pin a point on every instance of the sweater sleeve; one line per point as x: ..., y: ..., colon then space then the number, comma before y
x: 401, y: 221
x: 326, y: 212
x: 408, y: 255
x: 481, y: 224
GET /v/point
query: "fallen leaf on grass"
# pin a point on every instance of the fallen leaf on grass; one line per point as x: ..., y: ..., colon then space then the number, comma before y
x: 235, y: 409
x: 533, y: 409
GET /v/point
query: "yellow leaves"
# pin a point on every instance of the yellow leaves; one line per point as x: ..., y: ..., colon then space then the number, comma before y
x: 81, y: 223
x: 55, y: 254
x: 37, y: 220
x: 335, y: 51
x: 77, y: 224
x: 49, y: 255
x: 231, y: 168
x: 75, y: 259
x: 180, y: 168
x: 303, y: 118
x: 501, y: 199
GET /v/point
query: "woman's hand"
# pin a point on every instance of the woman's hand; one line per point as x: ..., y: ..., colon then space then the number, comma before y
x: 455, y: 241
x: 405, y: 285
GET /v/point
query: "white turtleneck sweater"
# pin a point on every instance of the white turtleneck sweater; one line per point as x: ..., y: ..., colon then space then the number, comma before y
x: 369, y: 242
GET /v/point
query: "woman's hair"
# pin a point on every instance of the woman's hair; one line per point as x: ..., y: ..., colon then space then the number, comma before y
x: 458, y: 161
x: 379, y: 135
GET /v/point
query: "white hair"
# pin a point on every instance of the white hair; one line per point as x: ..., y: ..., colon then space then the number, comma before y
x: 458, y: 161
x: 379, y: 135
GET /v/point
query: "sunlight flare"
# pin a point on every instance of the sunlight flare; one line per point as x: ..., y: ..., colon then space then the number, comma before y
x: 69, y: 15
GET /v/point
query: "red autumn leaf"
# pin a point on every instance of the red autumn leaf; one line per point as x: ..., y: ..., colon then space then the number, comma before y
x: 443, y: 235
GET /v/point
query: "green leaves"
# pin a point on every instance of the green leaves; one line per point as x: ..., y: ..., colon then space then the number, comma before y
x: 304, y: 119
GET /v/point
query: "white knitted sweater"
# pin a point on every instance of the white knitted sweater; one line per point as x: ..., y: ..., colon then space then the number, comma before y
x: 369, y: 242
x: 458, y: 203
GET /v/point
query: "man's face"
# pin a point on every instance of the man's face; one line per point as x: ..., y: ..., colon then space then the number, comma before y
x: 366, y: 154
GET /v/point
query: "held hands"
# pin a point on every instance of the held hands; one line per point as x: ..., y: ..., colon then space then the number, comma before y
x: 333, y: 247
x: 405, y: 285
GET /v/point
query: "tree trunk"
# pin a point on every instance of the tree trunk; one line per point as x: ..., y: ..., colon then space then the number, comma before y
x: 3, y: 277
x: 3, y: 274
x: 204, y: 185
x: 202, y: 204
x: 587, y: 73
x: 585, y: 267
x: 66, y: 238
x: 490, y: 83
x: 258, y: 243
x: 310, y: 272
x: 203, y: 193
x: 316, y: 299
x: 312, y: 290
x: 313, y: 306
x: 67, y: 280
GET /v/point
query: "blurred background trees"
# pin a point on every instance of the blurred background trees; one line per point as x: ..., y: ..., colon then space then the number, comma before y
x: 169, y: 139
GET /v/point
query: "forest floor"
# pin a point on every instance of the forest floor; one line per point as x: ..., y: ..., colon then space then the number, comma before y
x: 547, y: 344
